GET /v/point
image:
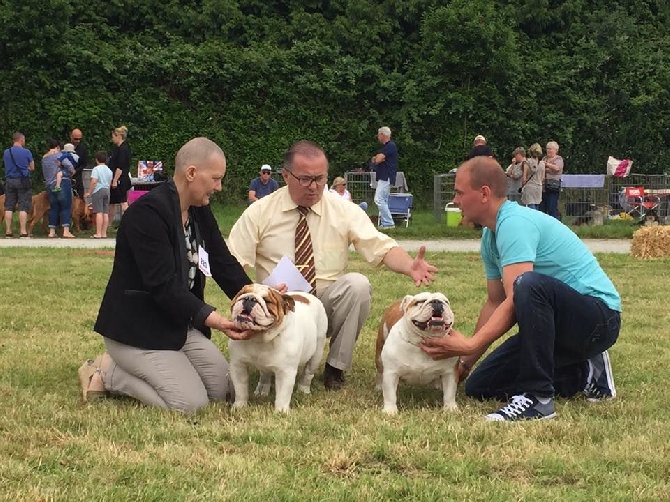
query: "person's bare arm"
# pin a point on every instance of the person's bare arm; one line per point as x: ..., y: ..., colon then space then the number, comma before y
x: 252, y: 196
x: 495, y: 296
x: 117, y: 174
x: 495, y: 320
x: 398, y: 260
x: 91, y: 187
x: 31, y: 166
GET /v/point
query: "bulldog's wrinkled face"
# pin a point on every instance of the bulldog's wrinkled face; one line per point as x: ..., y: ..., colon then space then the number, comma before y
x: 259, y: 307
x: 430, y: 313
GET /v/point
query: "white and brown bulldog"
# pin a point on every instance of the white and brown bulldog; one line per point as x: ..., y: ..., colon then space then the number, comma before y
x: 399, y: 356
x: 291, y: 335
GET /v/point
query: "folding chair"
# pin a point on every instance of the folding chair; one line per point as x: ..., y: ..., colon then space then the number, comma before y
x: 640, y: 203
x: 400, y: 207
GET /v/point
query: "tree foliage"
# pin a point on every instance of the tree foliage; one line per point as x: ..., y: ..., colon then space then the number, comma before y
x: 256, y: 75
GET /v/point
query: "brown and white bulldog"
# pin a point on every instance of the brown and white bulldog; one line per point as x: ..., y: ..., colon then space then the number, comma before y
x: 291, y: 335
x: 399, y: 356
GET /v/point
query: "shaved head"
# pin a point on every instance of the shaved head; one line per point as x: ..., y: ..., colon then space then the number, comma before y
x: 485, y: 171
x: 196, y: 152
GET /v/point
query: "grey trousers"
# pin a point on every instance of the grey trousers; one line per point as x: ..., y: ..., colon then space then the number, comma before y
x: 184, y: 380
x: 347, y: 303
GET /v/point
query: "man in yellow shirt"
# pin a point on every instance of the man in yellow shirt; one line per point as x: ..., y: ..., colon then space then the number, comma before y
x: 266, y: 232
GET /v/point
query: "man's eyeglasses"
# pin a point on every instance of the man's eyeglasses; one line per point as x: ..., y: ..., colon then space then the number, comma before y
x: 306, y: 181
x: 76, y: 139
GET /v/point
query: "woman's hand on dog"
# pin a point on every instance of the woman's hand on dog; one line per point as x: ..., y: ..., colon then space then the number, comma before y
x: 453, y: 345
x: 235, y: 333
x: 229, y: 328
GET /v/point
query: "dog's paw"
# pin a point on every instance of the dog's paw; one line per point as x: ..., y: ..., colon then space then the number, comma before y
x: 450, y: 407
x: 305, y: 389
x: 239, y: 404
x: 282, y: 409
x: 391, y: 409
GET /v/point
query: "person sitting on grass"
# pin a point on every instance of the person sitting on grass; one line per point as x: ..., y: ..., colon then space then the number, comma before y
x: 541, y: 277
x: 98, y: 191
x: 153, y: 317
x: 67, y: 162
x: 266, y: 232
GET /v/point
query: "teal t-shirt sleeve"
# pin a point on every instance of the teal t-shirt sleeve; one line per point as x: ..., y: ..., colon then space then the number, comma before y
x: 517, y: 240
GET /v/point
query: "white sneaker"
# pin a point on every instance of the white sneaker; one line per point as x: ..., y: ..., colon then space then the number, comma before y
x: 523, y: 407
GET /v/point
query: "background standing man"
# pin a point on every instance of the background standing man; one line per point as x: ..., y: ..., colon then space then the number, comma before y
x: 480, y: 148
x: 267, y: 230
x: 76, y: 137
x: 18, y: 188
x: 386, y: 162
x: 262, y: 185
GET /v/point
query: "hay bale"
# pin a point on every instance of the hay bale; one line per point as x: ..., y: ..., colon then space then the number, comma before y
x: 651, y: 242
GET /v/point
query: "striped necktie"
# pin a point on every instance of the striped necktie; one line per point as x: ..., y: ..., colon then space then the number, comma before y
x: 304, y: 254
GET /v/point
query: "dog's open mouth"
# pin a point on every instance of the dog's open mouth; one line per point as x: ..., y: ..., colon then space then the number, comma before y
x: 434, y: 324
x: 245, y: 319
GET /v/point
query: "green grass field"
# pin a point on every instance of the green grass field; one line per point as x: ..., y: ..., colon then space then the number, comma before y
x: 332, y: 446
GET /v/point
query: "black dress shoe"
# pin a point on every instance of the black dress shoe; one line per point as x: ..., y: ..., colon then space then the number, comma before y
x: 333, y: 378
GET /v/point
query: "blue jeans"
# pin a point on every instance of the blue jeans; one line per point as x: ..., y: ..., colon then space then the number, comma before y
x: 559, y: 330
x: 382, y: 201
x: 533, y: 206
x: 550, y: 200
x: 60, y: 204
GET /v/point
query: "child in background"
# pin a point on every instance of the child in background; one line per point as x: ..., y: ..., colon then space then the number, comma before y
x: 67, y: 161
x: 98, y: 190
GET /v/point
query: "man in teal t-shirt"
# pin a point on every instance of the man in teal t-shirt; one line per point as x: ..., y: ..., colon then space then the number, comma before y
x: 540, y: 276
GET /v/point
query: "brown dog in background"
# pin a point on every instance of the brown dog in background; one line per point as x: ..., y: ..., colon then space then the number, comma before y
x: 39, y: 211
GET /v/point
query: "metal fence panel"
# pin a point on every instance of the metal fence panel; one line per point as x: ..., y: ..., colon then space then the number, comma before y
x: 574, y: 203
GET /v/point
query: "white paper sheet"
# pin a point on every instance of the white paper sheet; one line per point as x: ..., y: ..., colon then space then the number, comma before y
x: 287, y: 273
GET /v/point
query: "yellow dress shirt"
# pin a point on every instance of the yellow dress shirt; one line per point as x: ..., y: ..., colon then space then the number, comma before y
x: 266, y: 232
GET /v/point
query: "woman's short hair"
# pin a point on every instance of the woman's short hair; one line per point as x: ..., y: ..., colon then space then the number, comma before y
x: 339, y: 180
x: 553, y: 144
x: 121, y: 131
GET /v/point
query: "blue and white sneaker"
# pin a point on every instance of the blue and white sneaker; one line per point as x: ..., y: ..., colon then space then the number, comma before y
x: 600, y: 382
x: 523, y: 407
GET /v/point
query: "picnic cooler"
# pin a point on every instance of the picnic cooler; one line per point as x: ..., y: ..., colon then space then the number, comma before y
x: 454, y: 214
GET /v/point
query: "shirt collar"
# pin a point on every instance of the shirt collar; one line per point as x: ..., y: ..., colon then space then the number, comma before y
x: 287, y: 204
